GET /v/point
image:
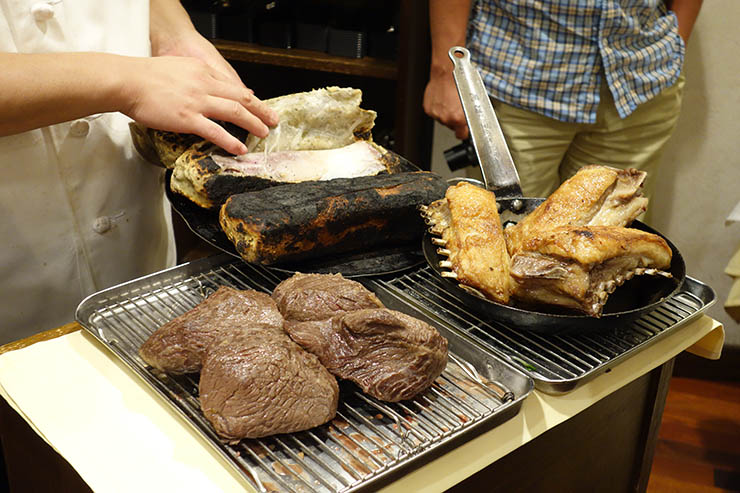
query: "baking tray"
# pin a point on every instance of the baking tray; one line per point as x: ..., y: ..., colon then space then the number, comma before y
x: 369, y: 443
x: 558, y: 363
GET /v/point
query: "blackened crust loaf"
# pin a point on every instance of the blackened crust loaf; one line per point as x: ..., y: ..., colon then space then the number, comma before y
x: 259, y: 383
x: 321, y: 296
x: 315, y: 219
x: 179, y: 346
x: 388, y: 354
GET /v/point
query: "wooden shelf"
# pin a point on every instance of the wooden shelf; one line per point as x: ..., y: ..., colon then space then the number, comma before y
x: 396, y: 86
x: 308, y: 60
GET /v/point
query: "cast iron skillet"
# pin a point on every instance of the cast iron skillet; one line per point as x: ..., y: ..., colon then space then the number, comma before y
x: 628, y: 302
x: 379, y: 261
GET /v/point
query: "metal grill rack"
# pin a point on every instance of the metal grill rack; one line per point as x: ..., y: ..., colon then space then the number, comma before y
x: 368, y: 443
x: 556, y: 363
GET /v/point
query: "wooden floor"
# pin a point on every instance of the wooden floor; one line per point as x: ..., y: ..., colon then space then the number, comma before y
x: 698, y: 446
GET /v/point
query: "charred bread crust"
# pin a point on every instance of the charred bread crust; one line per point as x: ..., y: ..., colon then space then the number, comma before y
x: 197, y: 176
x: 318, y: 119
x: 159, y: 147
x: 314, y: 219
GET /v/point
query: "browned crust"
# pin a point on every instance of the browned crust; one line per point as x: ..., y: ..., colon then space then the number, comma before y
x: 313, y: 219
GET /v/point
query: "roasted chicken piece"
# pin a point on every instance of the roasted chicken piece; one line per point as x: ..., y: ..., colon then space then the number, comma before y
x: 595, y: 196
x: 470, y: 234
x: 578, y: 267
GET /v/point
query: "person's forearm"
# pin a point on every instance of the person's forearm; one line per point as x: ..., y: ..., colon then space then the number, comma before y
x: 168, y: 20
x: 448, y: 21
x: 44, y: 89
x: 686, y: 12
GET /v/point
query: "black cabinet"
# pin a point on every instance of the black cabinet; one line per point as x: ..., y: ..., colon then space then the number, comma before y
x: 313, y: 44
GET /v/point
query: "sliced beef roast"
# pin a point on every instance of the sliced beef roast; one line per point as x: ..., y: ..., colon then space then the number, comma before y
x: 388, y: 354
x: 179, y: 345
x: 258, y: 383
x: 320, y: 296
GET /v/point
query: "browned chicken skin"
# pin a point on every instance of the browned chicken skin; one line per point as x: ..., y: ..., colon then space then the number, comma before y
x: 473, y: 240
x: 578, y: 267
x: 595, y: 196
x: 570, y: 252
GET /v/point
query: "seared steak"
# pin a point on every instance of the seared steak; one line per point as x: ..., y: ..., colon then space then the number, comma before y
x: 320, y: 296
x: 258, y: 383
x: 388, y: 354
x: 179, y: 345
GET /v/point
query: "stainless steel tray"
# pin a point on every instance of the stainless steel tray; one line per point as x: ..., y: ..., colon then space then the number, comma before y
x: 557, y: 363
x: 369, y: 443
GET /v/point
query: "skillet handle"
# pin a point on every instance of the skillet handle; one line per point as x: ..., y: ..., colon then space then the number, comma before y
x: 497, y: 166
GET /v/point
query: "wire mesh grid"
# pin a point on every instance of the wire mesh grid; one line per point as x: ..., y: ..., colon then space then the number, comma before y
x: 557, y: 363
x: 367, y: 442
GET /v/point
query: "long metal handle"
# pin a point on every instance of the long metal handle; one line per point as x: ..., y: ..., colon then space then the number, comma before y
x: 497, y: 167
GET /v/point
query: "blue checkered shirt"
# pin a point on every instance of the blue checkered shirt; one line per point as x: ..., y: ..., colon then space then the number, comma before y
x: 549, y: 56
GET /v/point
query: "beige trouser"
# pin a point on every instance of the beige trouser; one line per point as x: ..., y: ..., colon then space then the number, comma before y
x: 547, y: 151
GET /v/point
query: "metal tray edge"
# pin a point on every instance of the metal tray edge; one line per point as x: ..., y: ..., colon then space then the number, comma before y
x: 699, y: 289
x: 559, y: 387
x: 506, y: 411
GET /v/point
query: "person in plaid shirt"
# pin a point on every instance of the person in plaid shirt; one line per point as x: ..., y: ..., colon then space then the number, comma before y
x: 573, y: 82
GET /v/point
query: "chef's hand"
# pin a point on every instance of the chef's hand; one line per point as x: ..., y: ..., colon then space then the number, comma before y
x: 191, y: 43
x: 185, y: 94
x: 201, y: 86
x: 442, y: 103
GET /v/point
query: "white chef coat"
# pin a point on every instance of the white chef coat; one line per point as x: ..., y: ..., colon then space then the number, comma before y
x: 79, y: 209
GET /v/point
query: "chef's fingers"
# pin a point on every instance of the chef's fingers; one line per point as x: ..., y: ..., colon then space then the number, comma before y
x: 243, y: 95
x: 229, y: 74
x: 237, y: 113
x: 225, y: 73
x: 262, y: 110
x: 213, y: 132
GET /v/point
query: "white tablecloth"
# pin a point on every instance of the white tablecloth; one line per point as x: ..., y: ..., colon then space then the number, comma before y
x: 121, y: 436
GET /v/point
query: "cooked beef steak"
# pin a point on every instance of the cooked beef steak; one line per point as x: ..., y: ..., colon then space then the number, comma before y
x: 179, y: 345
x: 258, y: 383
x: 321, y: 296
x: 388, y: 354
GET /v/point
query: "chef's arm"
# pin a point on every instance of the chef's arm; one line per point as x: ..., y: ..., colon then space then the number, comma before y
x: 686, y: 12
x: 42, y: 89
x: 448, y: 20
x: 174, y: 93
x: 172, y: 33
